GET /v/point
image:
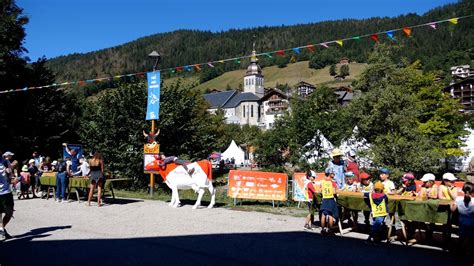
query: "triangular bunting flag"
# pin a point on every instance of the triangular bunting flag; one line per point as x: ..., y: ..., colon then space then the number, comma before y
x: 296, y: 50
x: 221, y: 61
x: 374, y: 37
x: 407, y: 31
x: 280, y: 53
x: 340, y: 42
x: 390, y: 35
x: 197, y: 67
x: 172, y: 71
x: 432, y: 25
x: 209, y: 64
x: 325, y: 45
x: 453, y: 20
x: 269, y: 55
x: 237, y: 60
x: 357, y: 38
x: 179, y: 69
x: 311, y: 48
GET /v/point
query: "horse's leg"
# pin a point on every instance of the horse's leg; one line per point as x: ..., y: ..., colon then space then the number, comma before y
x: 176, y: 201
x: 212, y: 190
x: 198, y: 201
x: 172, y: 194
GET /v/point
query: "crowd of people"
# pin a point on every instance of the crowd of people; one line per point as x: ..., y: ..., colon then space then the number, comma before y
x: 345, y: 175
x: 23, y: 178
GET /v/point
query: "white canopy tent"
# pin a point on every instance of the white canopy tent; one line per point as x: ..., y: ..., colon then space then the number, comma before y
x: 234, y: 151
x: 358, y: 146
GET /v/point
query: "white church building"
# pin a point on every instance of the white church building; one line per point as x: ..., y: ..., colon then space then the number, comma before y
x: 254, y: 106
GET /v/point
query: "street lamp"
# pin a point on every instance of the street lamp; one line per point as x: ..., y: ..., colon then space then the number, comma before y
x: 157, y: 57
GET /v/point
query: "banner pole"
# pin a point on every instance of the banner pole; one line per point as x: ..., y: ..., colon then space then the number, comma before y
x: 152, y: 176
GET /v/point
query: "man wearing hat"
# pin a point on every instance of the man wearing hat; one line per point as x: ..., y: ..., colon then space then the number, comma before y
x: 337, y: 166
x: 6, y: 162
x: 6, y: 201
x: 34, y: 179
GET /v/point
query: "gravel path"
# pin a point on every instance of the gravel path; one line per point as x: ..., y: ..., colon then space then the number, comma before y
x: 136, y: 232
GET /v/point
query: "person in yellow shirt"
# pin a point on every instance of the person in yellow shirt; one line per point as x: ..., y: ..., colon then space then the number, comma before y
x: 429, y: 190
x: 328, y: 209
x: 447, y: 190
x: 378, y: 203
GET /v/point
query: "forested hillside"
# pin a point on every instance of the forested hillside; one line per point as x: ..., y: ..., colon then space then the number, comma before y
x: 437, y: 49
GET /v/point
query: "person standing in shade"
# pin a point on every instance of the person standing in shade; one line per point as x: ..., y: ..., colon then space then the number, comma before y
x: 352, y: 165
x: 6, y: 200
x: 74, y: 158
x: 61, y: 182
x: 337, y: 166
x: 96, y: 177
x: 33, y: 170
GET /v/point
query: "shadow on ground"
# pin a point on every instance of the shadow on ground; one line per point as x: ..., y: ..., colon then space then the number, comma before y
x: 286, y: 248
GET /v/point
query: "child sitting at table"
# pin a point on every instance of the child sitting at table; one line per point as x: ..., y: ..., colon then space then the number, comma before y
x: 378, y: 203
x: 351, y: 184
x: 408, y: 185
x: 328, y: 205
x: 447, y: 190
x: 365, y: 185
x: 429, y: 190
x: 465, y: 207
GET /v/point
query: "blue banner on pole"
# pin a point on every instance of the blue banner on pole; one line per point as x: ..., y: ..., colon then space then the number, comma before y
x: 153, y: 99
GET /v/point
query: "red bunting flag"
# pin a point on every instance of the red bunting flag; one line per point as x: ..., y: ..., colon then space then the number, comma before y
x: 374, y: 37
x: 280, y: 53
x: 82, y: 83
x: 179, y: 69
x: 407, y: 31
x: 311, y: 48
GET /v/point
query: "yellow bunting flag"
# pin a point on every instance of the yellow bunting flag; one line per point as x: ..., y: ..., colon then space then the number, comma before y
x: 339, y: 42
x: 453, y: 20
x: 221, y: 61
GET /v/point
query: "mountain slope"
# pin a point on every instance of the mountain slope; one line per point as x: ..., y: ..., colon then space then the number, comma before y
x: 437, y: 49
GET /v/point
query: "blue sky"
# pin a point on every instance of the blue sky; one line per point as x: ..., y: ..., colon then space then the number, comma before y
x: 60, y: 27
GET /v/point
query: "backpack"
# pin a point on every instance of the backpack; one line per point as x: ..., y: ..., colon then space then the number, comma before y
x: 62, y: 167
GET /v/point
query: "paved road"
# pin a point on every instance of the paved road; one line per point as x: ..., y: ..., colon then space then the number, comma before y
x: 135, y: 232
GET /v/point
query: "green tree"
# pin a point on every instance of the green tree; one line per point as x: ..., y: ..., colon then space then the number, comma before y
x: 113, y: 124
x: 344, y: 70
x: 404, y: 115
x: 332, y: 70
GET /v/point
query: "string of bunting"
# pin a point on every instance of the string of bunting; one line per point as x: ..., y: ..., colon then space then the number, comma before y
x: 407, y: 31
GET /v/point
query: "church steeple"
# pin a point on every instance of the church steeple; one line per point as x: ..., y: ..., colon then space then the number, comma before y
x: 253, y: 80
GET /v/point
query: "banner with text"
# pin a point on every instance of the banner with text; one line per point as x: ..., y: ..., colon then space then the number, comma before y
x: 257, y: 185
x: 153, y: 99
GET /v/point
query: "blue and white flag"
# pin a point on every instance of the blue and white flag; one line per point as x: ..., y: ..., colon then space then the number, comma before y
x: 153, y: 99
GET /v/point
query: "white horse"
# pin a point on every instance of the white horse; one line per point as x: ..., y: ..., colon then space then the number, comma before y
x: 176, y: 177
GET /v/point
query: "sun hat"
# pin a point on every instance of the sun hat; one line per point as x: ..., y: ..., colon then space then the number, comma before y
x: 449, y: 176
x: 428, y: 177
x: 352, y: 153
x: 384, y: 171
x: 54, y: 162
x: 329, y: 170
x: 31, y: 161
x: 364, y: 176
x: 349, y: 174
x: 408, y: 176
x: 8, y: 153
x: 378, y: 185
x: 336, y: 152
x: 24, y: 168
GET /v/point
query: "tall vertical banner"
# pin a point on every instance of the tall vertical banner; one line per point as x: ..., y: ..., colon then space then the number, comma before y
x: 153, y: 99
